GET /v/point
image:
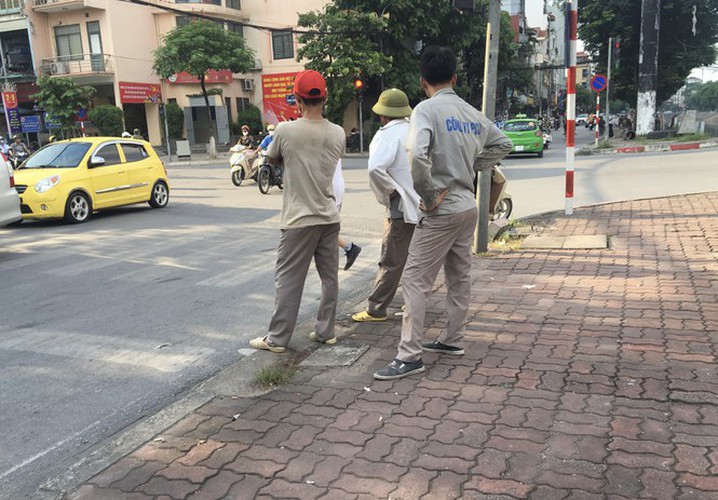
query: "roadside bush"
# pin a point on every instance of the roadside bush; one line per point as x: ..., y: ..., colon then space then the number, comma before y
x: 175, y: 120
x: 108, y: 119
x: 251, y: 116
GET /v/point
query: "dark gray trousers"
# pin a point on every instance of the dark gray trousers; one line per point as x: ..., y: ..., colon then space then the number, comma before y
x: 394, y: 251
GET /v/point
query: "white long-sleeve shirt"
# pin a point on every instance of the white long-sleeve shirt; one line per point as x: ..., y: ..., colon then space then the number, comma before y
x: 389, y: 169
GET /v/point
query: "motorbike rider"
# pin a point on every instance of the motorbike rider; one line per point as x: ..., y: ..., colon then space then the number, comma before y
x: 246, y: 144
x: 18, y: 151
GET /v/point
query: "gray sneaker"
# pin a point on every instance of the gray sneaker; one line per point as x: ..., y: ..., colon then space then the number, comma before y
x: 399, y: 369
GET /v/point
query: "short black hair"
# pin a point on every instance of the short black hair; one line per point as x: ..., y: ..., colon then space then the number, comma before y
x: 311, y: 102
x: 437, y: 64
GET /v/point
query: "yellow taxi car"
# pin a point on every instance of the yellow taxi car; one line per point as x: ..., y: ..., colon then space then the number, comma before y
x: 71, y: 179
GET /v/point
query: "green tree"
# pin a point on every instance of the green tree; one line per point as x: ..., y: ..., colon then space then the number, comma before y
x: 352, y: 36
x: 175, y: 120
x: 585, y: 100
x: 198, y: 47
x: 108, y: 119
x: 251, y: 116
x: 61, y: 98
x: 343, y: 48
x: 680, y: 49
x: 704, y: 97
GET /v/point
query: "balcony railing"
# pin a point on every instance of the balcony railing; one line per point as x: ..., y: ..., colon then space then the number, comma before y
x: 9, y: 6
x: 80, y: 64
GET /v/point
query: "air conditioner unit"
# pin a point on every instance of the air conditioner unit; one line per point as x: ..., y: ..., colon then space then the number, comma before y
x: 59, y: 68
x: 247, y: 85
x: 257, y: 64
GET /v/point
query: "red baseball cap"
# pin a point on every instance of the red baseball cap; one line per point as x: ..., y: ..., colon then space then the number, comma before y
x: 310, y: 84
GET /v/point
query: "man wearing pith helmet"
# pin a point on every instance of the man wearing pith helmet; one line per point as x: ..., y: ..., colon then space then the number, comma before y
x: 390, y: 180
x: 309, y: 148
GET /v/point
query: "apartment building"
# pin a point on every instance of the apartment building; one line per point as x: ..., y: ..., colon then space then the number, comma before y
x: 109, y: 44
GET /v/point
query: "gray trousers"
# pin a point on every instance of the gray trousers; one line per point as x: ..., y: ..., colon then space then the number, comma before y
x: 394, y: 252
x: 439, y: 240
x: 296, y: 249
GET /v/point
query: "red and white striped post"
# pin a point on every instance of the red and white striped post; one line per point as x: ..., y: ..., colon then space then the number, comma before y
x: 598, y: 115
x: 571, y: 37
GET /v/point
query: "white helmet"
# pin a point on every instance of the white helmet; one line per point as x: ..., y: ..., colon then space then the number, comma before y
x: 126, y: 134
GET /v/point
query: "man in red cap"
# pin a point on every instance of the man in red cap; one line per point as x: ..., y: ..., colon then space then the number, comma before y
x: 309, y: 148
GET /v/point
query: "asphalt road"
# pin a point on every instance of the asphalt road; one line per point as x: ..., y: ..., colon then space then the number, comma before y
x: 538, y: 184
x: 107, y: 322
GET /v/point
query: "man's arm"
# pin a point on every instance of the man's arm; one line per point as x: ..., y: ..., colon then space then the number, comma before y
x: 496, y: 147
x: 274, y: 153
x: 419, y: 143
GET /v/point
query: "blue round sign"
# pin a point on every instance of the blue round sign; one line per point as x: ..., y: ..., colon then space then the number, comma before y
x: 598, y: 83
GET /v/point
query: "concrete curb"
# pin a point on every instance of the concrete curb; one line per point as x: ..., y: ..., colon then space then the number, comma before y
x: 651, y: 148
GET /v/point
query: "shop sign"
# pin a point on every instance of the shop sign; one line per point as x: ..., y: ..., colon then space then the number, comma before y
x: 138, y: 93
x: 212, y: 76
x: 279, y: 102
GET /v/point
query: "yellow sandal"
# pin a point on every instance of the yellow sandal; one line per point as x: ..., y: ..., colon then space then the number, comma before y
x: 365, y: 317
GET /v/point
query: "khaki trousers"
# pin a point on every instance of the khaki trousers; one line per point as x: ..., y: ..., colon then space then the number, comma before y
x: 296, y: 249
x: 439, y: 240
x: 394, y: 252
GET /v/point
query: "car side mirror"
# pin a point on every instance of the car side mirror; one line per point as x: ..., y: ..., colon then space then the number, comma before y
x: 96, y: 161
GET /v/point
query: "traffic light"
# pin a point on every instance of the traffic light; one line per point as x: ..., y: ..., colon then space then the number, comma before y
x: 358, y: 85
x: 616, y: 48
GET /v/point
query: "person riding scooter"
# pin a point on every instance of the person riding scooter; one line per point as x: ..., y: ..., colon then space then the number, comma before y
x: 18, y: 152
x: 242, y: 159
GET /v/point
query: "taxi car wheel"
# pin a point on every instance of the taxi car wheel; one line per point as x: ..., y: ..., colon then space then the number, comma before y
x: 160, y: 195
x: 238, y: 177
x: 78, y: 208
x: 540, y: 154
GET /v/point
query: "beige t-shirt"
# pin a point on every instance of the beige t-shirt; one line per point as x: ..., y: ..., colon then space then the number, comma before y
x: 310, y: 150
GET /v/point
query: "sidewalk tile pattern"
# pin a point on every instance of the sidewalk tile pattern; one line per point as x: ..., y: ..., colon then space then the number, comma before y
x: 587, y: 374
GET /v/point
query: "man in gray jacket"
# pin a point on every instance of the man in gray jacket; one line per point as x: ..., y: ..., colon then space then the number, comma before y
x: 448, y: 143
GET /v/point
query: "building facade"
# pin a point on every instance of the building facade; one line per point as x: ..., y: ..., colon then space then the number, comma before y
x: 109, y: 44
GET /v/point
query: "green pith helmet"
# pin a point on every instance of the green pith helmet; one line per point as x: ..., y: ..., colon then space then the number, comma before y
x: 392, y: 103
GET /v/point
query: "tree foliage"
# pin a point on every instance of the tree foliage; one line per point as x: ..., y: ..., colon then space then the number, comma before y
x: 680, y: 50
x: 387, y: 46
x: 703, y: 97
x: 252, y: 116
x: 61, y: 98
x: 198, y: 47
x: 345, y: 48
x: 175, y: 120
x: 108, y: 119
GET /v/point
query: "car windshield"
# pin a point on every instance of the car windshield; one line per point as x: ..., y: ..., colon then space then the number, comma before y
x: 59, y: 155
x: 520, y: 126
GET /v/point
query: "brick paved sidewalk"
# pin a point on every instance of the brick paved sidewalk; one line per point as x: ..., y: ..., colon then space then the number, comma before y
x: 587, y: 374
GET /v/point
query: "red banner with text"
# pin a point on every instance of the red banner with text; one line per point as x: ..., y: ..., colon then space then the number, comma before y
x: 279, y: 103
x: 212, y: 76
x: 136, y: 93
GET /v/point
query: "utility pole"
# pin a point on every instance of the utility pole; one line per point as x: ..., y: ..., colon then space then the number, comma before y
x: 570, y: 56
x: 491, y: 69
x: 648, y: 66
x: 608, y: 85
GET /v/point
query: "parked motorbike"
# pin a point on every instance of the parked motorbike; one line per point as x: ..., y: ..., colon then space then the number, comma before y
x: 547, y: 138
x: 243, y: 165
x: 269, y: 175
x: 500, y: 202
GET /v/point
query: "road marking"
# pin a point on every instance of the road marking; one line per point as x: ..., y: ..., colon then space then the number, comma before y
x: 172, y: 358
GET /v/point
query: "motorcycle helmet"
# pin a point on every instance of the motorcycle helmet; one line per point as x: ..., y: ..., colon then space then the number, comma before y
x: 52, y: 138
x: 126, y: 134
x: 245, y: 127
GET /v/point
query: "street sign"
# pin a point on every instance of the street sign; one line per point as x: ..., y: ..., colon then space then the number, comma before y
x: 598, y: 83
x: 81, y: 115
x: 30, y: 123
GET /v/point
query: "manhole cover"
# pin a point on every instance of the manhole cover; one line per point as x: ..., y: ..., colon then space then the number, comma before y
x: 338, y: 355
